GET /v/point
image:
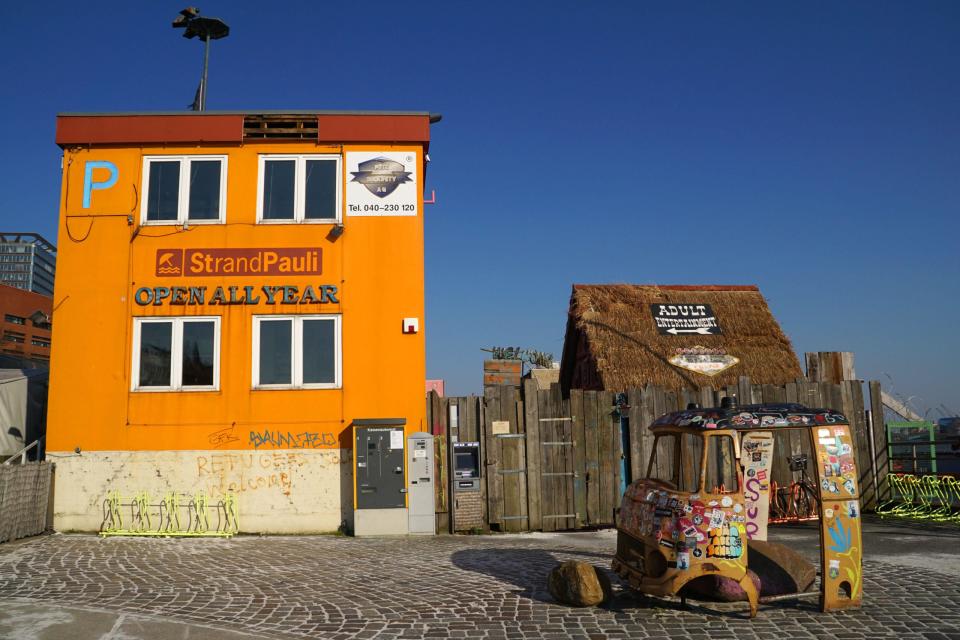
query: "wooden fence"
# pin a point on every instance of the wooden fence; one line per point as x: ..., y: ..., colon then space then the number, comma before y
x: 553, y: 463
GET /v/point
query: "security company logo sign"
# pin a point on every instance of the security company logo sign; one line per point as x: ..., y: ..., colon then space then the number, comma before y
x: 381, y: 176
x: 382, y: 183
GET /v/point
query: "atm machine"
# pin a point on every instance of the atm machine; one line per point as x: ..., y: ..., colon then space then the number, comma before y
x: 467, y: 500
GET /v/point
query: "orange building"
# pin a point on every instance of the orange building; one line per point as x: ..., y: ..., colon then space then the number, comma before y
x: 26, y: 327
x: 233, y: 291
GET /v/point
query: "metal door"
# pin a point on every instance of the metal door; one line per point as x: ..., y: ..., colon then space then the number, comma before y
x: 379, y: 467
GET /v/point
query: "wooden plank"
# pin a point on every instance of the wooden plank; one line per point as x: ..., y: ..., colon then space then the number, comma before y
x: 475, y: 422
x: 637, y: 452
x: 744, y: 391
x: 621, y: 432
x: 438, y: 427
x: 547, y: 483
x: 830, y: 366
x: 491, y: 396
x: 451, y: 462
x: 569, y: 462
x: 647, y: 410
x: 522, y: 489
x: 517, y: 462
x: 688, y: 397
x: 707, y: 397
x: 563, y: 460
x: 591, y: 456
x: 607, y: 474
x: 767, y: 393
x: 664, y: 454
x: 671, y: 402
x: 731, y: 391
x: 861, y: 442
x: 783, y: 446
x: 511, y: 472
x: 532, y: 429
x: 814, y: 399
x: 828, y: 399
x: 580, y: 464
x: 881, y: 462
x: 508, y: 407
x: 522, y: 455
x: 479, y: 409
x: 790, y: 392
x: 515, y: 501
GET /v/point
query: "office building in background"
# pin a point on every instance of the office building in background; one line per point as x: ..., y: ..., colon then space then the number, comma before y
x: 27, y: 261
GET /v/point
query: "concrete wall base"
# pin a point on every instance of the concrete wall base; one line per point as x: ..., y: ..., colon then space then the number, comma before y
x: 281, y: 491
x: 380, y: 522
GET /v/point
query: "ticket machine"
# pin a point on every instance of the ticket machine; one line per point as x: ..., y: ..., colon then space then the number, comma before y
x: 380, y: 490
x: 422, y: 496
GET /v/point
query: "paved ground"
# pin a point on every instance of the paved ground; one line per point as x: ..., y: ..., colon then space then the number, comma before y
x: 463, y: 587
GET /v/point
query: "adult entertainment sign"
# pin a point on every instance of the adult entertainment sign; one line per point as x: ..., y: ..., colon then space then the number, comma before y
x: 681, y: 318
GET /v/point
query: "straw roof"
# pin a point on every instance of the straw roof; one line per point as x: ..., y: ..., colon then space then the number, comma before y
x: 612, y: 341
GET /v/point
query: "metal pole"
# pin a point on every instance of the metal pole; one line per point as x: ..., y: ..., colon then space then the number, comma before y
x: 203, y: 80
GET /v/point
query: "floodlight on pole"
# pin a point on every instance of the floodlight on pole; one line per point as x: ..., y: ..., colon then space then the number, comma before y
x: 207, y: 29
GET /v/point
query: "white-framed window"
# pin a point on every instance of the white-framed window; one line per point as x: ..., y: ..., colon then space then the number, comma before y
x: 176, y: 354
x: 296, y: 352
x: 299, y: 188
x: 184, y: 189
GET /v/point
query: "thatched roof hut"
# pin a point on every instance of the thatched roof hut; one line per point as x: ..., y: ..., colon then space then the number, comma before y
x: 623, y: 336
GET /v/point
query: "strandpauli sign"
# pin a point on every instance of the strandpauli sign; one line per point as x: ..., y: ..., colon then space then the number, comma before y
x: 236, y: 294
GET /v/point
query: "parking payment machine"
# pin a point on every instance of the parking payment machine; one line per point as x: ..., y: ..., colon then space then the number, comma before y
x: 420, y: 471
x: 380, y: 494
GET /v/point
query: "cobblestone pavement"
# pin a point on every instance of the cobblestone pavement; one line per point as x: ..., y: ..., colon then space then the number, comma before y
x: 458, y: 587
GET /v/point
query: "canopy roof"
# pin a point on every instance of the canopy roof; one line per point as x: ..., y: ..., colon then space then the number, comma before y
x: 615, y: 341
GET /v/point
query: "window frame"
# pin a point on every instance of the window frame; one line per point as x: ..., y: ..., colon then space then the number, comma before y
x: 176, y: 354
x: 300, y: 187
x: 296, y: 355
x: 183, y: 196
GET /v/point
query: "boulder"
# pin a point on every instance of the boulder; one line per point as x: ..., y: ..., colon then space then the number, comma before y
x: 774, y: 568
x: 579, y: 584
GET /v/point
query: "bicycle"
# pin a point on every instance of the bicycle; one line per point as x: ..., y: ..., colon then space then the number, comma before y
x: 798, y: 501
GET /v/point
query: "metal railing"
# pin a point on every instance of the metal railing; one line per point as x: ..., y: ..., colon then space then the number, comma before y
x: 22, y: 454
x: 196, y: 512
x: 926, y: 497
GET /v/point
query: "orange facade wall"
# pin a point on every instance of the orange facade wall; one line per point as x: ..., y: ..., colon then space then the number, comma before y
x: 105, y: 256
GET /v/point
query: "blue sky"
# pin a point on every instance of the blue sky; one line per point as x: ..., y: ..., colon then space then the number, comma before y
x: 812, y: 149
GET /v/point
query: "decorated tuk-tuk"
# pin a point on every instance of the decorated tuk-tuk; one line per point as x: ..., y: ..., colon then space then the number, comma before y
x: 707, y: 494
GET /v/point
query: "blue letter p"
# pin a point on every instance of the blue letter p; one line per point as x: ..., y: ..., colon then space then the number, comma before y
x: 88, y: 183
